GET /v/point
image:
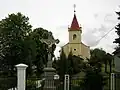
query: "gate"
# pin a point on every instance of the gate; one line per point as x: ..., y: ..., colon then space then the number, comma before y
x: 117, y: 81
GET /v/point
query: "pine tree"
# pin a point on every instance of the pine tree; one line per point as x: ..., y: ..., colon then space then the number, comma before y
x: 117, y: 40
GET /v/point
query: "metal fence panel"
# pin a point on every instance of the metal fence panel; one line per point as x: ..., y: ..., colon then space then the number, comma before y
x: 38, y: 84
x: 117, y: 81
x: 7, y: 83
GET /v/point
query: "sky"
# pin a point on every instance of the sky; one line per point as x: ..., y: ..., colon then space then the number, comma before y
x: 96, y: 18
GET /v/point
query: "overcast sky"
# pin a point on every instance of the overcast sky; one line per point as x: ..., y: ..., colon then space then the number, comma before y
x: 96, y: 17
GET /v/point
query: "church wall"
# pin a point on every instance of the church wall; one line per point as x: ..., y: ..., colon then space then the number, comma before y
x: 76, y: 49
x: 66, y: 49
x: 85, y: 51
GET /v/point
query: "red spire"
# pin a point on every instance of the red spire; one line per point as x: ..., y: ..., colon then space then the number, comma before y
x: 74, y: 25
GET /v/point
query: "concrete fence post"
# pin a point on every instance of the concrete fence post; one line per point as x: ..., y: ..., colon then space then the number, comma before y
x: 112, y: 81
x: 66, y: 82
x: 21, y: 76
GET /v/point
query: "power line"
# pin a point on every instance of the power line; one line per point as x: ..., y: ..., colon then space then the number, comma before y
x: 105, y: 34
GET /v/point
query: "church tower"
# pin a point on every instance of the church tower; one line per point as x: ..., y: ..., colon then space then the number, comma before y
x: 75, y: 31
x: 75, y: 44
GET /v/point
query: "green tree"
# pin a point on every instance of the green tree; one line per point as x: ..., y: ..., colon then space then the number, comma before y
x: 93, y: 79
x: 94, y: 71
x: 117, y: 40
x: 100, y: 57
x: 13, y: 31
x: 61, y: 65
x: 68, y: 65
x: 97, y: 58
x: 75, y: 64
x: 20, y: 44
x: 41, y: 48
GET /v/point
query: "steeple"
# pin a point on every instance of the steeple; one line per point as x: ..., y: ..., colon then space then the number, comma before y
x: 74, y: 24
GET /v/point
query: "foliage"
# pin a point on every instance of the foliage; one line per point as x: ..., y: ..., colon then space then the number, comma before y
x: 34, y: 83
x: 100, y: 57
x: 13, y: 32
x: 68, y: 65
x: 41, y: 48
x: 93, y: 80
x: 60, y: 65
x: 20, y: 44
x: 117, y: 40
x: 8, y: 82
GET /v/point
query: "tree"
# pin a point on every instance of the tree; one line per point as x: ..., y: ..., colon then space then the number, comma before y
x: 41, y: 48
x: 75, y: 64
x: 13, y: 31
x: 20, y: 44
x: 99, y: 57
x: 68, y: 65
x: 117, y: 40
x: 61, y: 65
x: 93, y: 79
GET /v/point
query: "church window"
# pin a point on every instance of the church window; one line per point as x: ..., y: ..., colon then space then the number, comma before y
x: 74, y: 36
x: 74, y: 49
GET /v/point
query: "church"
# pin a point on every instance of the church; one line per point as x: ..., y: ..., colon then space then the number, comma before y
x: 75, y: 45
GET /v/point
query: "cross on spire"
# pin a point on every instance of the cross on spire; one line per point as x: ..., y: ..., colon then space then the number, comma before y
x: 74, y: 25
x: 74, y: 7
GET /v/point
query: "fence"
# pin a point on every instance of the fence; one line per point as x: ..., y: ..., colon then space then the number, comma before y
x: 75, y: 84
x: 38, y: 84
x: 117, y: 81
x: 7, y: 83
x: 33, y: 83
x: 10, y: 83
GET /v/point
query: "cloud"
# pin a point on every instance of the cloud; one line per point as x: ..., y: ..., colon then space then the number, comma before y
x: 93, y: 35
x: 96, y: 15
x: 61, y: 32
x: 89, y: 37
x: 110, y: 18
x: 57, y: 53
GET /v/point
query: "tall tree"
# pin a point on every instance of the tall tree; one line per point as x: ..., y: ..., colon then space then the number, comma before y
x: 100, y: 57
x: 20, y: 44
x: 61, y: 65
x: 93, y: 79
x: 68, y: 65
x: 41, y: 48
x: 13, y: 31
x: 117, y: 40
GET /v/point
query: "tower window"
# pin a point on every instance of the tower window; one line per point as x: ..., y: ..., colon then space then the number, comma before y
x: 74, y: 49
x: 74, y: 36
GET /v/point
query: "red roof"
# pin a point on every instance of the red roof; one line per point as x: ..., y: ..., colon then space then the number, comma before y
x: 74, y: 25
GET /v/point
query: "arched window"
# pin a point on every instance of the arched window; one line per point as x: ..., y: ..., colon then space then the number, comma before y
x: 74, y: 36
x: 74, y: 49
